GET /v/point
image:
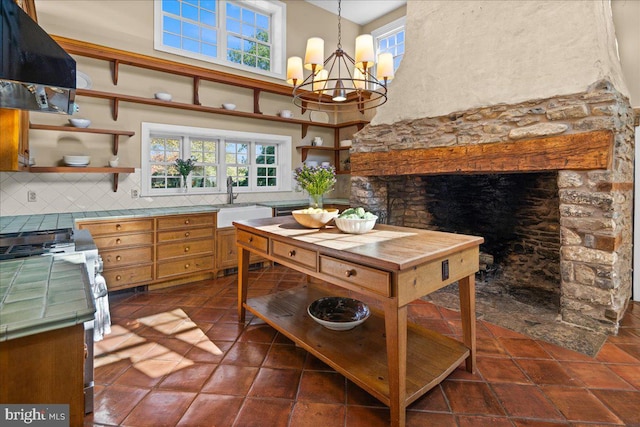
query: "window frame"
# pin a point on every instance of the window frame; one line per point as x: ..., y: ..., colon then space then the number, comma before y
x: 388, y: 29
x: 276, y: 9
x: 283, y: 145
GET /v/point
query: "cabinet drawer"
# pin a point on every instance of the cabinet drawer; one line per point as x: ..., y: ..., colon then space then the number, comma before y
x: 117, y: 227
x: 196, y: 233
x: 368, y: 278
x: 197, y: 247
x: 184, y: 266
x: 126, y: 277
x: 252, y: 240
x: 118, y: 257
x: 124, y: 240
x: 298, y: 255
x: 181, y: 221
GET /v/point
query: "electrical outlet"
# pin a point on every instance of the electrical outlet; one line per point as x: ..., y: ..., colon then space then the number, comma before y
x: 134, y: 193
x: 31, y: 196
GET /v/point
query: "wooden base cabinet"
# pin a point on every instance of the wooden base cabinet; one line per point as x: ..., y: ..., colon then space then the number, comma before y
x: 127, y: 250
x: 227, y: 250
x: 185, y: 245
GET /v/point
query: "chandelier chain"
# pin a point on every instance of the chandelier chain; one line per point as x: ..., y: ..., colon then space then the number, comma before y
x: 339, y: 24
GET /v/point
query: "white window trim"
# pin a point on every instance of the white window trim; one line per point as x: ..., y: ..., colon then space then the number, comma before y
x: 387, y: 29
x: 283, y: 143
x: 275, y: 8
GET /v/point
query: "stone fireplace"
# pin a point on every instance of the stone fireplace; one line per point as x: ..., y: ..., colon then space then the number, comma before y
x: 532, y: 148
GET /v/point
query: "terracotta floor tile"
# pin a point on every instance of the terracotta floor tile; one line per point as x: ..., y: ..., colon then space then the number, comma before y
x: 632, y: 349
x: 189, y: 378
x: 275, y: 383
x: 611, y: 353
x: 560, y: 353
x: 246, y: 354
x: 313, y: 414
x: 208, y: 314
x: 109, y: 372
x: 625, y: 404
x: 324, y: 387
x: 629, y: 373
x: 596, y: 375
x: 538, y: 423
x: 358, y: 397
x: 231, y: 379
x: 500, y: 332
x: 525, y: 401
x: 285, y: 356
x: 433, y: 400
x: 160, y: 408
x: 546, y: 372
x: 115, y: 402
x: 422, y: 309
x: 429, y: 419
x: 466, y: 397
x: 524, y: 347
x: 146, y: 373
x: 225, y: 331
x: 579, y: 404
x: 200, y: 353
x: 364, y: 416
x: 258, y: 333
x: 264, y: 412
x: 211, y: 410
x: 478, y: 421
x: 495, y: 369
x: 490, y: 347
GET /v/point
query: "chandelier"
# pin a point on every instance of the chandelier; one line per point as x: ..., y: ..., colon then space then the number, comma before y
x: 340, y: 81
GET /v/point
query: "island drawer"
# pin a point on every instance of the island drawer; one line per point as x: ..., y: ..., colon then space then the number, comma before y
x: 259, y: 243
x: 126, y: 277
x: 118, y: 257
x: 115, y: 227
x: 117, y: 241
x: 196, y: 247
x: 181, y: 221
x: 301, y: 256
x: 190, y: 234
x: 185, y: 266
x: 356, y: 274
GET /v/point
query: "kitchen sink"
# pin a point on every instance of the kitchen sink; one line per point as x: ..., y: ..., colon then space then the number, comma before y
x: 226, y: 215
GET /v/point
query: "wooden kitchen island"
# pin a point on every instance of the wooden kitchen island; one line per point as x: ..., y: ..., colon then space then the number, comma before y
x: 392, y: 359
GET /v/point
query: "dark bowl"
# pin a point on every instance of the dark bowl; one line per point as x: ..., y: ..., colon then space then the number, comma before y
x: 338, y: 313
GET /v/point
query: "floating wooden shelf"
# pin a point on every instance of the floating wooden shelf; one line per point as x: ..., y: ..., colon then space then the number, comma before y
x: 306, y: 148
x: 116, y: 133
x: 69, y: 169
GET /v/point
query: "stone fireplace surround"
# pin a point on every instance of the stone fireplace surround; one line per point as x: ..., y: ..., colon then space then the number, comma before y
x: 586, y: 139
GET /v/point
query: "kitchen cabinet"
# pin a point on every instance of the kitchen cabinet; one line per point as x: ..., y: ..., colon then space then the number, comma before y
x: 387, y: 356
x: 185, y: 245
x: 227, y: 250
x: 14, y: 140
x: 126, y: 248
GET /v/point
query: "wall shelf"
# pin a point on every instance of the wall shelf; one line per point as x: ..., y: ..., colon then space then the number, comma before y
x: 116, y: 133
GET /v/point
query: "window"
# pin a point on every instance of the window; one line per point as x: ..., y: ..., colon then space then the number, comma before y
x: 248, y: 35
x: 390, y: 38
x: 255, y: 162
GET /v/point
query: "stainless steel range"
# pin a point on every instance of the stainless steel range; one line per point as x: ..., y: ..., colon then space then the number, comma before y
x: 58, y: 243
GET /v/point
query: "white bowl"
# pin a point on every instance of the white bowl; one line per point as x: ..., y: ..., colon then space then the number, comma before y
x: 76, y: 160
x: 314, y: 220
x: 228, y: 106
x: 355, y: 226
x: 80, y: 123
x: 113, y: 163
x: 345, y: 143
x: 338, y: 313
x: 163, y: 96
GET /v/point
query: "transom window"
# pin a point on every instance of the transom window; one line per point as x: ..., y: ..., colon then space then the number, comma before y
x: 239, y: 34
x: 254, y: 162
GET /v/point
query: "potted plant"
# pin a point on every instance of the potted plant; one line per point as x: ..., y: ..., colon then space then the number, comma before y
x: 184, y: 168
x: 315, y: 180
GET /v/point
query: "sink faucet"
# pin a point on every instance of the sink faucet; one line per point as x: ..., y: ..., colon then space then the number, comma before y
x: 232, y: 196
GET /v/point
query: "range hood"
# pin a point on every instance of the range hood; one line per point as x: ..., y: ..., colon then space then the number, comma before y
x: 36, y: 74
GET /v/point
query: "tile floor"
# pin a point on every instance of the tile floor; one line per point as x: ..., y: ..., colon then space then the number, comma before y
x: 178, y: 357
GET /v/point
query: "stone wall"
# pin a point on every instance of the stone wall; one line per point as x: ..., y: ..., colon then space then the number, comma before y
x: 595, y: 205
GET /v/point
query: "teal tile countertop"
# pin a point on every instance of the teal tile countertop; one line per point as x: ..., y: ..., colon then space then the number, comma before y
x: 14, y: 224
x: 43, y: 293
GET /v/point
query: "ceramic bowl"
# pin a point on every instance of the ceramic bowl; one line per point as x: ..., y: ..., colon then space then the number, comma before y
x: 355, y: 226
x: 163, y: 96
x: 76, y: 160
x: 80, y: 123
x: 227, y: 106
x: 314, y: 220
x: 338, y: 313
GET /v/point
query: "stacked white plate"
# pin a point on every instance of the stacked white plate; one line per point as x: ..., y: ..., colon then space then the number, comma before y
x: 77, y: 161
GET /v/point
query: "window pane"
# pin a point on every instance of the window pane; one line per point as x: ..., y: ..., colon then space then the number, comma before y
x: 189, y: 12
x: 208, y: 18
x: 233, y: 26
x: 234, y: 43
x: 209, y: 36
x: 191, y: 31
x: 209, y: 50
x: 248, y: 16
x: 171, y: 6
x: 262, y: 21
x: 208, y: 4
x: 233, y: 11
x: 171, y: 25
x: 191, y: 45
x: 171, y: 40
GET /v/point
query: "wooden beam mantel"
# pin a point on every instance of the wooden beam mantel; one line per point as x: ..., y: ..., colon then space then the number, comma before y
x: 583, y: 151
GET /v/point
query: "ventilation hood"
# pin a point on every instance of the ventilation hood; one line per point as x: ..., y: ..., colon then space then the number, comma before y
x: 36, y: 74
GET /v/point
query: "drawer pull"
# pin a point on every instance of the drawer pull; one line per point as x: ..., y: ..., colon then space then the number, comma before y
x: 118, y: 227
x: 118, y: 258
x: 118, y: 277
x: 292, y: 253
x: 118, y: 241
x: 186, y: 221
x: 250, y: 239
x: 186, y: 249
x: 350, y: 273
x: 187, y: 234
x: 187, y: 266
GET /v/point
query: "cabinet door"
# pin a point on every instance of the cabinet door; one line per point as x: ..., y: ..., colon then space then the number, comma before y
x: 227, y: 250
x: 14, y: 139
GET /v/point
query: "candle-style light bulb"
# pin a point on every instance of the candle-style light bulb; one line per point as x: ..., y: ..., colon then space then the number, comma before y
x: 314, y: 56
x: 365, y: 52
x: 294, y: 70
x: 384, y: 69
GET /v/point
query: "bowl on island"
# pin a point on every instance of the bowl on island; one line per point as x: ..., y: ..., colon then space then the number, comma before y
x: 356, y: 226
x: 314, y: 217
x: 338, y: 313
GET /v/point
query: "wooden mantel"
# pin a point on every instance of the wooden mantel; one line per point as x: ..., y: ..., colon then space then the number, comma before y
x: 582, y: 151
